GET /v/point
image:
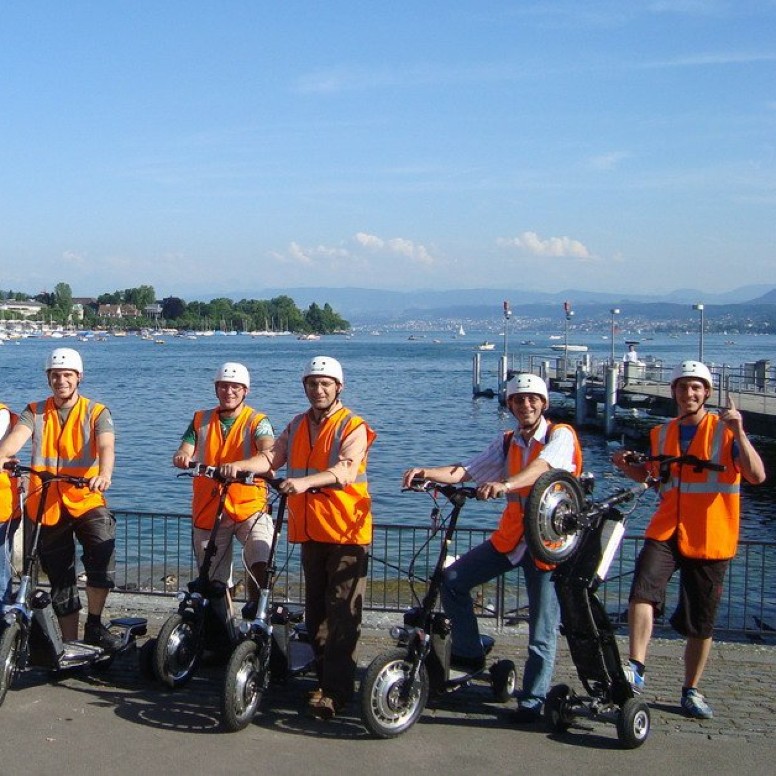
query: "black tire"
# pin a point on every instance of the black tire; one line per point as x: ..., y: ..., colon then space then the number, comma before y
x: 550, y: 517
x: 503, y: 680
x: 384, y: 711
x: 10, y: 641
x: 145, y: 660
x: 244, y: 685
x: 178, y: 651
x: 633, y: 723
x: 557, y: 716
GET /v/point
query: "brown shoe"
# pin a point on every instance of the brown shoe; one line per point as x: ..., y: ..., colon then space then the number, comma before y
x: 324, y: 708
x: 314, y: 696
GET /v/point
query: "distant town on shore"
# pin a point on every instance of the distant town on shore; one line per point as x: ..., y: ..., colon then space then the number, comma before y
x: 312, y: 310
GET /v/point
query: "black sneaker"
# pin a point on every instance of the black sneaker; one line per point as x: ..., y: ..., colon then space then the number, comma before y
x: 99, y: 636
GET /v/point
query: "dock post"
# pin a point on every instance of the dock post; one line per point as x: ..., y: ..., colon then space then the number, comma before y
x: 581, y: 400
x: 610, y: 399
x: 476, y: 380
x: 503, y: 371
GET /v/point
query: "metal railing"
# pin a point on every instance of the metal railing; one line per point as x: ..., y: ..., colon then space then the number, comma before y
x: 154, y: 556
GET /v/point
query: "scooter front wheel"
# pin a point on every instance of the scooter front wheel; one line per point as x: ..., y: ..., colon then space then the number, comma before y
x: 9, y: 655
x: 244, y: 684
x: 391, y: 702
x: 177, y: 651
x: 551, y: 513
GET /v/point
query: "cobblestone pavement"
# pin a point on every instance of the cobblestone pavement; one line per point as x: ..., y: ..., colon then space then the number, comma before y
x: 120, y: 723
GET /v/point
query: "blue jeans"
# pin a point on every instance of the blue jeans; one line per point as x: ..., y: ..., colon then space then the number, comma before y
x: 7, y: 530
x: 480, y: 565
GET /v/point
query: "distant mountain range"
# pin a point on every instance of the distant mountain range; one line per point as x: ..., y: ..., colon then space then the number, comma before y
x: 372, y: 305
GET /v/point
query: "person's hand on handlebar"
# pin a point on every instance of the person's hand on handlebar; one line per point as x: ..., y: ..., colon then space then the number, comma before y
x: 294, y: 485
x: 410, y: 475
x: 490, y: 490
x: 631, y: 464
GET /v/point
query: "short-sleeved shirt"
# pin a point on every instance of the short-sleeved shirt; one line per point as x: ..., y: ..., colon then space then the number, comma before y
x: 488, y: 466
x: 263, y: 430
x: 103, y: 424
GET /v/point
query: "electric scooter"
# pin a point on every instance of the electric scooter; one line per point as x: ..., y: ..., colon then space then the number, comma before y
x: 205, y: 619
x: 274, y: 646
x: 398, y: 683
x: 29, y: 629
x: 565, y: 526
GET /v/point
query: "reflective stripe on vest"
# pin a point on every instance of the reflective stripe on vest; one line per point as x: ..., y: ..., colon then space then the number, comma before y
x: 334, y: 515
x: 701, y: 508
x: 510, y: 528
x: 64, y: 448
x: 212, y: 449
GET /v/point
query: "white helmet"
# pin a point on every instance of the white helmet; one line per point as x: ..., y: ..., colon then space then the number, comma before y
x: 65, y: 358
x: 694, y: 369
x: 232, y: 372
x: 528, y: 383
x: 324, y: 366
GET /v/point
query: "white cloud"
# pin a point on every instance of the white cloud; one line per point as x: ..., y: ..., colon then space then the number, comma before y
x: 364, y: 251
x: 531, y: 243
x: 74, y: 259
x: 608, y: 161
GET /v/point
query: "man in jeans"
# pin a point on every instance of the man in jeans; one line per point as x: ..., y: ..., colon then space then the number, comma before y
x: 509, y: 467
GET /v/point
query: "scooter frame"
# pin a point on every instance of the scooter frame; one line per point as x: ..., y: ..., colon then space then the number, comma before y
x: 565, y: 526
x: 398, y: 683
x: 272, y: 647
x: 205, y: 618
x: 29, y: 630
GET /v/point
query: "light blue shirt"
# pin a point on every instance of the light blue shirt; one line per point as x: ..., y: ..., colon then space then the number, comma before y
x: 558, y: 452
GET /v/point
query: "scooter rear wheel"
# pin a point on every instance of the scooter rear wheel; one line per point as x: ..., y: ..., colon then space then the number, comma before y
x: 244, y: 685
x: 178, y: 651
x: 633, y: 723
x: 551, y: 529
x: 9, y: 653
x: 389, y: 706
x: 503, y: 679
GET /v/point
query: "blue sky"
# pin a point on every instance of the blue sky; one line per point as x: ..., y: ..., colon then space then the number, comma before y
x: 203, y: 147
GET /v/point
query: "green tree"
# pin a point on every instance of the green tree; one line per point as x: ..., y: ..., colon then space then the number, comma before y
x: 63, y: 301
x: 141, y: 297
x: 173, y: 308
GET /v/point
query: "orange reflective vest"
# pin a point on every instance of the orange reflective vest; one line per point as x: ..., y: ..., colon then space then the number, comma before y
x: 9, y: 495
x: 335, y: 515
x: 701, y: 507
x: 242, y: 501
x: 64, y: 449
x: 510, y: 528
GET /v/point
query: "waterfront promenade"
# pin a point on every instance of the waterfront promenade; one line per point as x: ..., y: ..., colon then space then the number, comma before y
x: 118, y: 723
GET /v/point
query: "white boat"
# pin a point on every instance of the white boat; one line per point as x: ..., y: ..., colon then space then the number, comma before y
x: 461, y: 332
x: 570, y: 348
x: 486, y: 345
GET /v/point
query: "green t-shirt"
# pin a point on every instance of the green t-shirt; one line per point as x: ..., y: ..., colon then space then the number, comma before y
x: 263, y: 431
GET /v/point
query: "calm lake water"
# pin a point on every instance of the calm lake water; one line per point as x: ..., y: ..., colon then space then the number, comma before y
x: 415, y: 393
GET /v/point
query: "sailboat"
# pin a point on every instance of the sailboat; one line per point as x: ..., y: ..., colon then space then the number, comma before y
x: 461, y: 332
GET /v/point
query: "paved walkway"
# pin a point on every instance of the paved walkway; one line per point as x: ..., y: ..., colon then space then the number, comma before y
x: 117, y: 723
